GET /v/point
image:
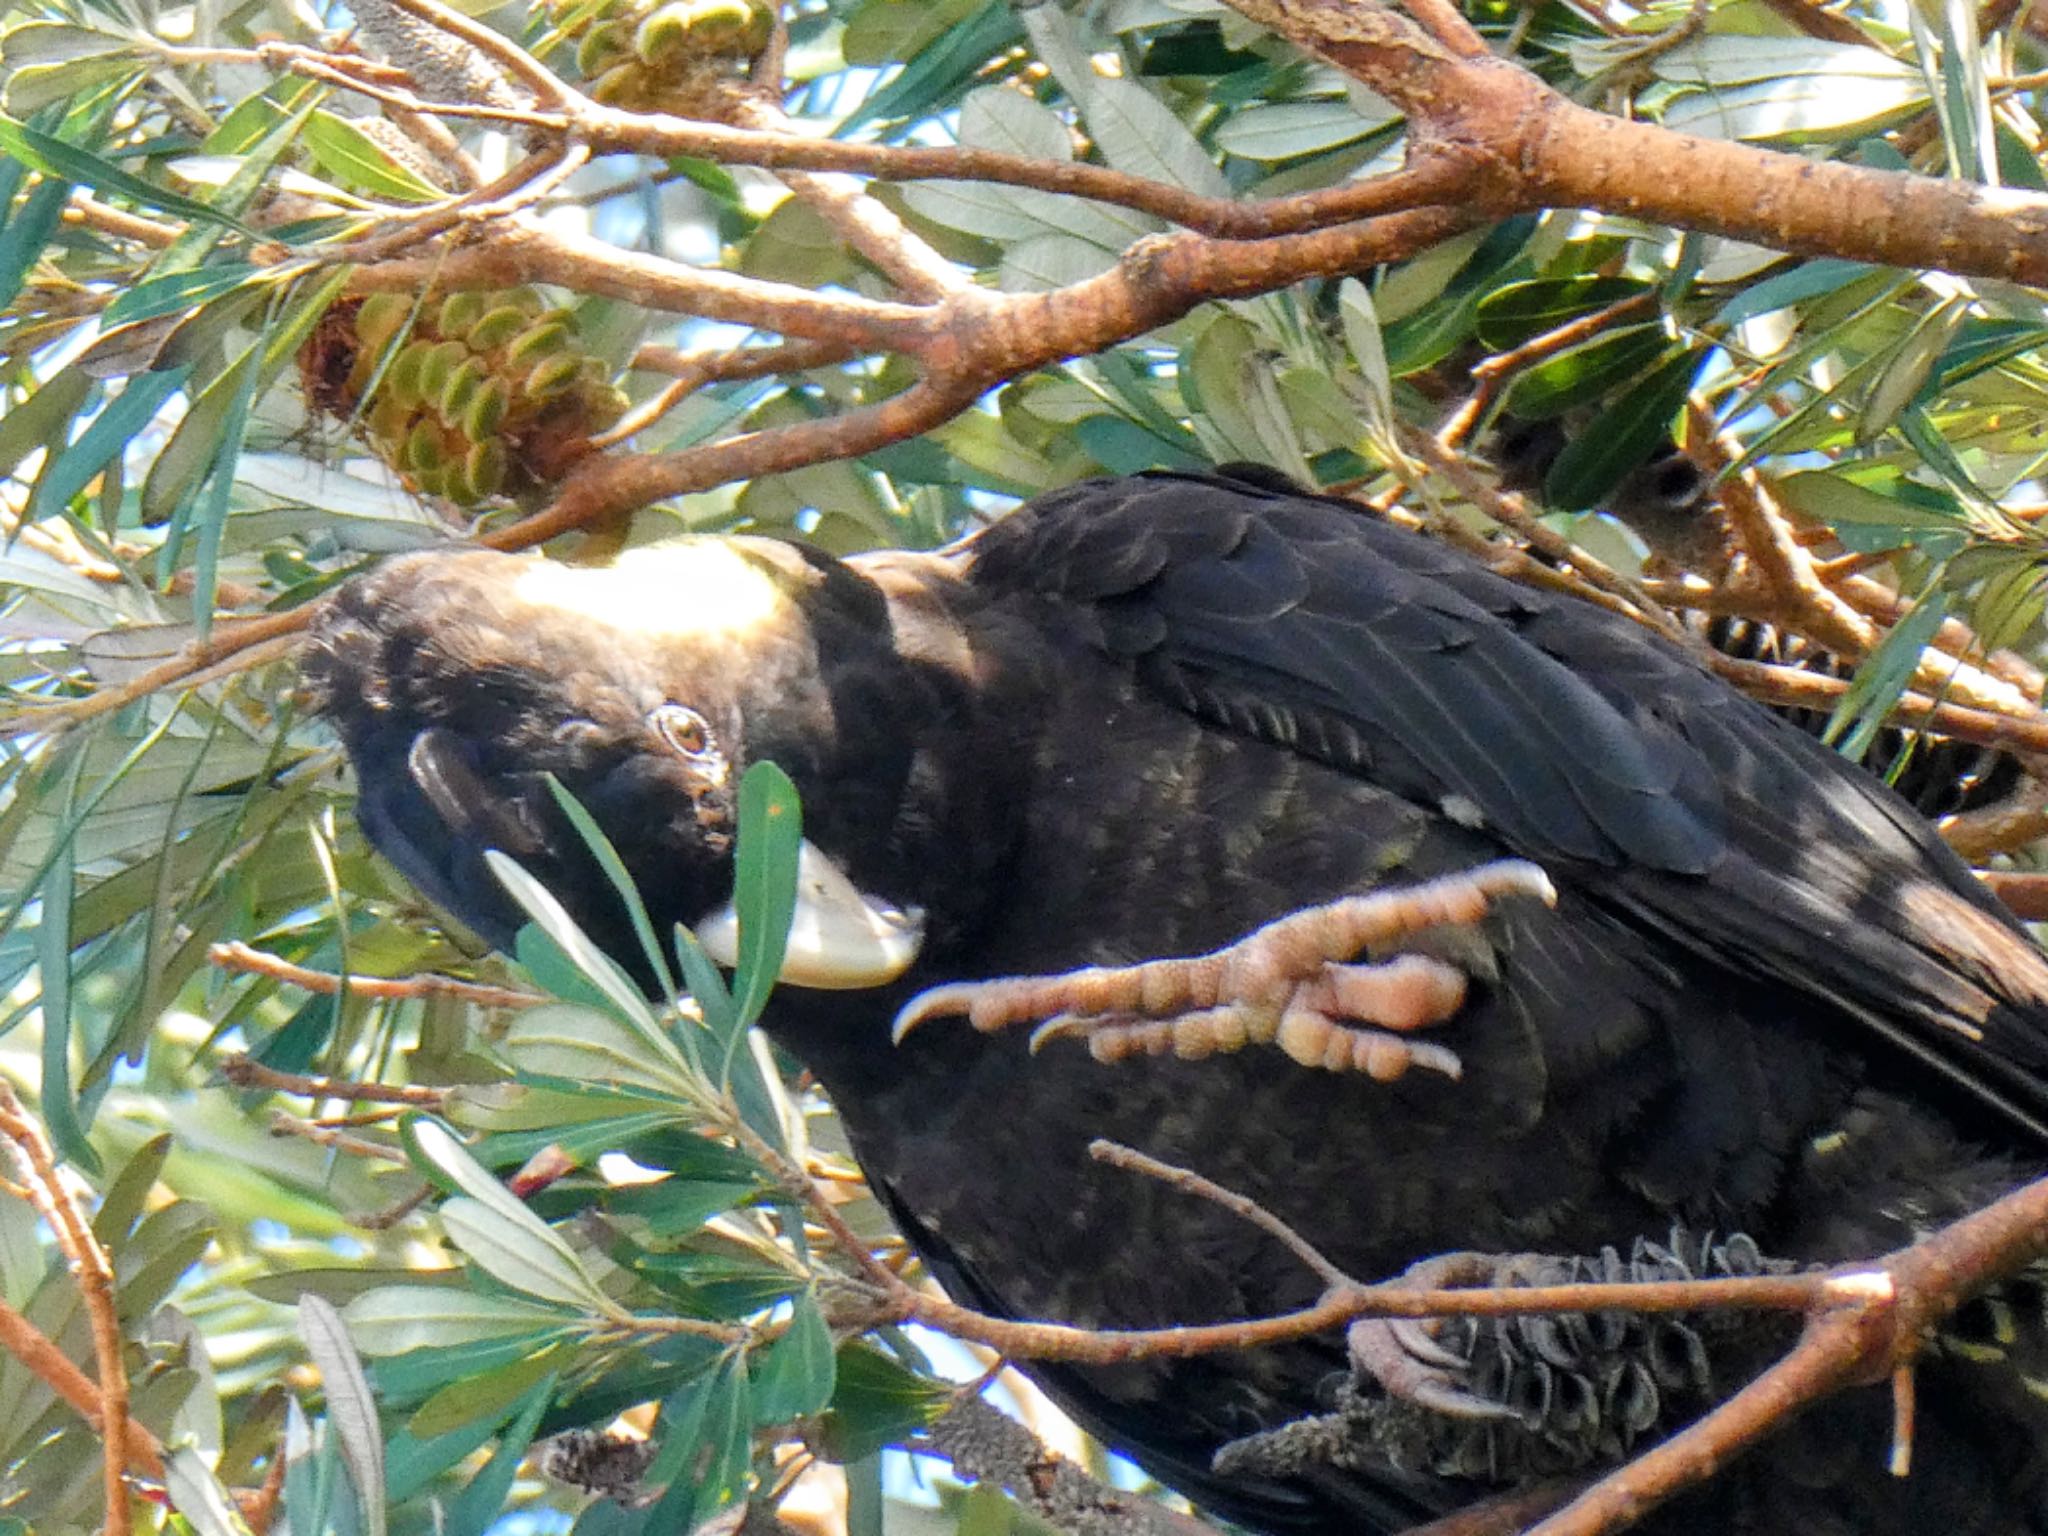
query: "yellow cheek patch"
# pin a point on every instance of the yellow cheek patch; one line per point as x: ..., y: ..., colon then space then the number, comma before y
x: 693, y: 587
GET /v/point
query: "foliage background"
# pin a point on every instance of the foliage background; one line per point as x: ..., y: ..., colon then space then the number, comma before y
x: 177, y: 211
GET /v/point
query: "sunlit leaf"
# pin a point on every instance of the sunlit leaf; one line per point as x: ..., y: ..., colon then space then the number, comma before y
x: 395, y: 1319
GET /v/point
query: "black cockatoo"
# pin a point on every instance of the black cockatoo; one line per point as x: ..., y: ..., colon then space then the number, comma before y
x: 1769, y: 1020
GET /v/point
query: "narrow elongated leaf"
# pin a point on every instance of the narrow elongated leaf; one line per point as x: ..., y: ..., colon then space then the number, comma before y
x: 396, y: 1319
x: 491, y: 1397
x: 704, y: 1447
x: 1884, y: 675
x: 1622, y: 436
x: 28, y: 231
x: 553, y: 919
x: 49, y: 154
x: 351, y: 156
x: 197, y: 1495
x: 173, y: 293
x: 68, y: 473
x: 478, y: 1506
x: 1136, y: 132
x: 615, y: 871
x: 521, y: 1251
x: 771, y: 834
x: 351, y: 1407
x: 587, y: 1046
x: 53, y: 947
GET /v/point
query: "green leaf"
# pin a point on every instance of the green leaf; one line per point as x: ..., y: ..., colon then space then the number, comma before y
x: 396, y: 1319
x: 1621, y: 437
x: 43, y: 418
x: 1904, y: 375
x: 1136, y: 131
x: 521, y: 1251
x: 351, y: 1409
x: 795, y: 1375
x: 491, y: 1397
x: 49, y: 154
x: 173, y: 293
x: 66, y: 474
x: 53, y: 952
x: 355, y: 159
x: 194, y: 445
x: 1883, y: 677
x: 705, y: 1447
x: 564, y: 1040
x: 615, y: 871
x: 198, y: 1497
x: 553, y: 919
x: 493, y: 1225
x: 1518, y: 312
x: 128, y: 1189
x: 479, y: 1505
x: 413, y: 1460
x: 1586, y: 372
x: 771, y: 835
x: 876, y: 1402
x: 930, y: 79
x: 28, y: 232
x: 1368, y: 349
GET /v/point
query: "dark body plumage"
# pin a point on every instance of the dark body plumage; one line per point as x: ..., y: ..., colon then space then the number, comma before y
x: 1143, y: 716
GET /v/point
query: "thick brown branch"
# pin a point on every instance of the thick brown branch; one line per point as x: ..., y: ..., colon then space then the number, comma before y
x: 1528, y: 146
x: 94, y: 1272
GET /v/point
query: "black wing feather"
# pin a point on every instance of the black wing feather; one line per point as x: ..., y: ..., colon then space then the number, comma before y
x: 1576, y: 738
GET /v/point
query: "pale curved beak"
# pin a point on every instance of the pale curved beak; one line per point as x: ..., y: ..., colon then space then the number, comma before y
x: 839, y: 940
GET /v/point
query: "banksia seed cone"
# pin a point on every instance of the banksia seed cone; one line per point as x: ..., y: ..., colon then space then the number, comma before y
x: 662, y: 55
x: 480, y: 394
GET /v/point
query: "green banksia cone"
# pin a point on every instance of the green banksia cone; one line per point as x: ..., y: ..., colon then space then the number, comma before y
x: 460, y: 311
x: 486, y: 412
x: 483, y: 471
x: 677, y: 56
x: 380, y: 318
x: 402, y: 378
x: 729, y: 26
x: 490, y: 393
x: 600, y: 48
x: 460, y: 389
x: 423, y: 447
x: 662, y: 34
x: 497, y: 327
x: 553, y: 376
x: 543, y: 340
x: 437, y: 365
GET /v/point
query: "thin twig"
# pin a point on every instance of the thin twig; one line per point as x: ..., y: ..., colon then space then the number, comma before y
x: 1187, y: 1181
x: 234, y: 955
x: 282, y: 1124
